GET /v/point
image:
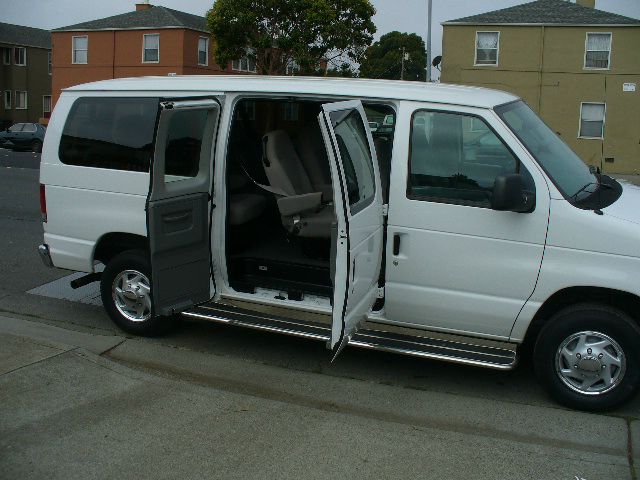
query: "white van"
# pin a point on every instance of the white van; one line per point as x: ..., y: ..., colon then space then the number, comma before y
x: 464, y: 231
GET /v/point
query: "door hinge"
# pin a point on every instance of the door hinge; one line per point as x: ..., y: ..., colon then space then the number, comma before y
x: 380, y: 292
x: 385, y: 209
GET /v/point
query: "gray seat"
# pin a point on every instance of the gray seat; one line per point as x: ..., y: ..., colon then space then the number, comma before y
x: 243, y: 207
x: 311, y: 149
x: 300, y: 204
x: 383, y: 152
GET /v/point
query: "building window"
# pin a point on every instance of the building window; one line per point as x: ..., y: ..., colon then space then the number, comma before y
x: 487, y: 48
x: 592, y: 120
x: 203, y: 51
x: 245, y: 64
x: 597, y: 51
x: 20, y: 56
x: 49, y: 63
x: 151, y: 48
x: 7, y: 99
x: 46, y: 105
x: 292, y: 68
x: 21, y: 100
x: 80, y: 48
x: 6, y: 56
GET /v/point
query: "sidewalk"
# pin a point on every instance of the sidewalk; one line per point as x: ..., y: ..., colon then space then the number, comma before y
x: 77, y: 405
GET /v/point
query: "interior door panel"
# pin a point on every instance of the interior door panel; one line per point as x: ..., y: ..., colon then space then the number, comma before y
x: 179, y: 204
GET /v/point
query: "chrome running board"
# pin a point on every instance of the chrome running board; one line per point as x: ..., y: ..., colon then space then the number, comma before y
x: 462, y: 352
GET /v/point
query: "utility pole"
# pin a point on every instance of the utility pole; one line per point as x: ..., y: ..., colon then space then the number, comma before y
x: 402, y: 69
x: 428, y: 45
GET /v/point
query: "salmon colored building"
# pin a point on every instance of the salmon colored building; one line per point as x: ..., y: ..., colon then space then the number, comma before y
x: 152, y: 40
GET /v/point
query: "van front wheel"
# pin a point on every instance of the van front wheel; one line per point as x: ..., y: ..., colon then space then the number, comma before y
x: 125, y: 288
x: 587, y: 357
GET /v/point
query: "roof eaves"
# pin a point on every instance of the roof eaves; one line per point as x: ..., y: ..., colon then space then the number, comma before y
x: 20, y: 44
x: 109, y: 29
x: 510, y: 24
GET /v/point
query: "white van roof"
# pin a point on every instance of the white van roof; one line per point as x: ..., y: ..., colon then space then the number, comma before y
x: 334, y: 87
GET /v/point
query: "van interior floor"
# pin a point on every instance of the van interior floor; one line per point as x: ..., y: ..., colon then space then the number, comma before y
x: 269, y: 259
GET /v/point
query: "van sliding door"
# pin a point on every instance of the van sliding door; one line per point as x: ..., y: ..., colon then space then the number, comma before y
x: 357, y: 234
x: 178, y: 206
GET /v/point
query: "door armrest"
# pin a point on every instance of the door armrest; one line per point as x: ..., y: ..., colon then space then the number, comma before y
x: 327, y: 192
x: 299, y: 203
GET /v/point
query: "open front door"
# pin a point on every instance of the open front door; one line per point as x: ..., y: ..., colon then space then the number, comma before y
x: 357, y: 235
x: 178, y: 207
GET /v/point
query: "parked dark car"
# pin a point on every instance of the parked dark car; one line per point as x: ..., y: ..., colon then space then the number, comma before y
x: 23, y: 136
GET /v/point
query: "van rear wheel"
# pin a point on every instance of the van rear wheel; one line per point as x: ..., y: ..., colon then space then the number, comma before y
x: 125, y: 288
x: 586, y: 356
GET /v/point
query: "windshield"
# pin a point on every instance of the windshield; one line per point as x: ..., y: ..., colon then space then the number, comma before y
x: 569, y: 173
x: 16, y: 128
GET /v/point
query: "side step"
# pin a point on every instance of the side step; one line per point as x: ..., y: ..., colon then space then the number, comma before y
x: 419, y: 346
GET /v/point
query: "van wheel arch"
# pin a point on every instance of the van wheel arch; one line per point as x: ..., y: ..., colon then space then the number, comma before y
x: 624, y: 301
x: 112, y: 244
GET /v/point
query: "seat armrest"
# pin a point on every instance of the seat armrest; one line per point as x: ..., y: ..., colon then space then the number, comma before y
x: 299, y: 203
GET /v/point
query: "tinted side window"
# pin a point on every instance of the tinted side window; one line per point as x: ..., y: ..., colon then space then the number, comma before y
x: 115, y: 133
x: 355, y: 155
x: 455, y: 158
x: 184, y: 143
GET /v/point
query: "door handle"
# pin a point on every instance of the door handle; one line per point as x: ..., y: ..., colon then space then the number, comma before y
x: 176, y: 218
x: 396, y: 244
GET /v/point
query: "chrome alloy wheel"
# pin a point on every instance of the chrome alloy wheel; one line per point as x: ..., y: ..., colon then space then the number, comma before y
x: 590, y: 363
x: 131, y: 293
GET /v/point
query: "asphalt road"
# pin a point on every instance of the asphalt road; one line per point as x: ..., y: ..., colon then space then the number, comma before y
x: 9, y: 158
x: 78, y: 398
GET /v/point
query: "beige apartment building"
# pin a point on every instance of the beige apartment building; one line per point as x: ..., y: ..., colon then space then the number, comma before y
x: 577, y: 66
x: 25, y: 74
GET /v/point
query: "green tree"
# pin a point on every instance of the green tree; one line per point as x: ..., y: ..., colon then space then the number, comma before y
x: 277, y: 32
x: 383, y: 59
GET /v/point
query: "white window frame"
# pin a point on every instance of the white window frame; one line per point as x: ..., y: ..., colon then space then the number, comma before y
x: 7, y: 99
x: 50, y: 62
x: 604, y: 121
x: 236, y: 65
x: 44, y: 110
x: 24, y: 60
x: 144, y: 40
x: 586, y: 42
x: 6, y: 55
x: 74, y: 50
x: 26, y: 100
x: 206, y: 51
x: 475, y: 50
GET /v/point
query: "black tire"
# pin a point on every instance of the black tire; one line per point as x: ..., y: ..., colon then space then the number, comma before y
x: 130, y: 260
x: 603, y: 320
x: 36, y: 146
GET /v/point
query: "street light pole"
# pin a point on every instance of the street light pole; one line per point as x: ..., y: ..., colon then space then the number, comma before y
x: 428, y: 45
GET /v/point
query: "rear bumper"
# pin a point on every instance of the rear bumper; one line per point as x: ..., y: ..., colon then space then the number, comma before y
x: 45, y: 255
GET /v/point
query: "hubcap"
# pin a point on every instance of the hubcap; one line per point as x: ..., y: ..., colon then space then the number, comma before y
x: 132, y: 295
x: 590, y: 363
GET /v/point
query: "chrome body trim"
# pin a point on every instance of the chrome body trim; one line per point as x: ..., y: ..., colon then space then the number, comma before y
x: 424, y: 347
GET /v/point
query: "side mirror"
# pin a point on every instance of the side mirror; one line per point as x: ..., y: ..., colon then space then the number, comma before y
x: 509, y: 194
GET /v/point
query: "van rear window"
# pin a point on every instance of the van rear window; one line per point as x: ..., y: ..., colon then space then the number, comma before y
x: 114, y: 133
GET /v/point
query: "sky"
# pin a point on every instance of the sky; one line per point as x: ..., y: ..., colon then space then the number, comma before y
x: 402, y: 15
